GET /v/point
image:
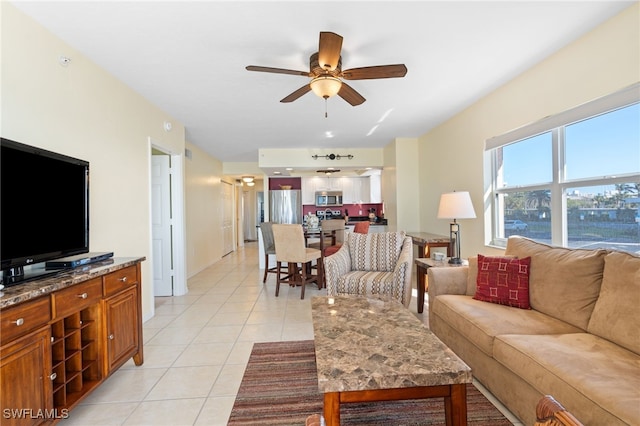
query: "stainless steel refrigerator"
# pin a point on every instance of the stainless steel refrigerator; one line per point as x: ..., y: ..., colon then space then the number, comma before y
x: 285, y: 206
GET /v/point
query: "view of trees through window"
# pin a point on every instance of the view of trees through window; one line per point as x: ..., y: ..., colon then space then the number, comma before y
x: 607, y: 219
x: 592, y: 200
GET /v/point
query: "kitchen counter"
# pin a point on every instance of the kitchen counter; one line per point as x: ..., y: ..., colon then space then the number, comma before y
x: 355, y: 219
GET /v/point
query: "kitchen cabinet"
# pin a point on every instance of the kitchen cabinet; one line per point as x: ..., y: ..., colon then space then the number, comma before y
x: 328, y: 183
x: 375, y: 189
x: 308, y: 190
x: 356, y: 190
x: 58, y: 347
x: 316, y: 183
x: 348, y: 191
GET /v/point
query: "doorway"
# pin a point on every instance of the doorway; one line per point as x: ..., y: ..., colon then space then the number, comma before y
x: 167, y: 223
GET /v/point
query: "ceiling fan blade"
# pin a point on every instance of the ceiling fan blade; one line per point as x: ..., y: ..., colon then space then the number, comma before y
x: 277, y: 70
x: 298, y: 93
x: 349, y: 94
x: 329, y: 50
x: 380, y: 71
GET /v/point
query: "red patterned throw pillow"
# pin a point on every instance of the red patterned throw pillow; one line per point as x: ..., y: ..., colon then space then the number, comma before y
x: 504, y: 281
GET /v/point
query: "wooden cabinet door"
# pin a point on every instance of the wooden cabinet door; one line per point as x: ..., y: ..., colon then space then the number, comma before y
x: 121, y: 312
x: 25, y: 367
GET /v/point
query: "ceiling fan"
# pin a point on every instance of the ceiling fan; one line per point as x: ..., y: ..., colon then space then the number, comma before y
x: 325, y: 71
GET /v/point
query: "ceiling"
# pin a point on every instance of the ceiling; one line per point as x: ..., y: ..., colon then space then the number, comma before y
x: 189, y: 59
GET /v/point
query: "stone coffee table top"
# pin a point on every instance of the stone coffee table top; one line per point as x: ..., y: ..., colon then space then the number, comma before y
x: 374, y: 343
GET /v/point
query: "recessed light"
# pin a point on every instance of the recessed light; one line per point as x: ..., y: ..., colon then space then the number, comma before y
x: 276, y: 173
x: 289, y: 169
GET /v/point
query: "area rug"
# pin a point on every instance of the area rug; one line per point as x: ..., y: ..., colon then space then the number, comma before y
x: 280, y: 387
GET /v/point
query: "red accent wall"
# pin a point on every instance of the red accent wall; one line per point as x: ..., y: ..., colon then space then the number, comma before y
x: 295, y: 182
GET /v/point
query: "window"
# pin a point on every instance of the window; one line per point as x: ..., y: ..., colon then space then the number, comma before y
x: 572, y: 179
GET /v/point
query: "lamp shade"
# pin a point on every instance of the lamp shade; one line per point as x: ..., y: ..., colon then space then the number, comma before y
x: 326, y: 86
x: 456, y: 205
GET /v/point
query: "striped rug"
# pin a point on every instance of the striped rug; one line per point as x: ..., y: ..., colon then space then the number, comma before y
x: 280, y: 387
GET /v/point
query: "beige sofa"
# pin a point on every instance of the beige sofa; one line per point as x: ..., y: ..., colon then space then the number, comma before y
x: 580, y: 342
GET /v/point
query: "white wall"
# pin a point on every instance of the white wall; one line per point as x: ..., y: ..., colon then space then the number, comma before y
x: 203, y: 205
x: 451, y: 155
x: 400, y: 188
x: 407, y: 186
x: 389, y: 184
x: 82, y: 111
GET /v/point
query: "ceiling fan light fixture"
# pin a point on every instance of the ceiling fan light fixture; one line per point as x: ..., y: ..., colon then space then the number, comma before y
x: 326, y: 86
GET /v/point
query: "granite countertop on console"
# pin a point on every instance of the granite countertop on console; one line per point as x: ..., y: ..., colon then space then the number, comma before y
x: 64, y: 278
x: 376, y: 343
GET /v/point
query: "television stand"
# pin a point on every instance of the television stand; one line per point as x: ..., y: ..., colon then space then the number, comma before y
x: 19, y: 275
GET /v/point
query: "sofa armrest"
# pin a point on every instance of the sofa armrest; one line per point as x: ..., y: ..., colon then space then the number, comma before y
x: 402, y: 270
x: 446, y: 280
x: 335, y: 266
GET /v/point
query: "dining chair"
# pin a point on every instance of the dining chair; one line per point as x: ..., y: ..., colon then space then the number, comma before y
x: 266, y: 228
x: 290, y: 248
x: 362, y: 227
x: 359, y: 228
x: 332, y: 236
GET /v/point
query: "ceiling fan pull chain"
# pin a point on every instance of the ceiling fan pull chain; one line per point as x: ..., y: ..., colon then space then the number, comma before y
x: 326, y: 114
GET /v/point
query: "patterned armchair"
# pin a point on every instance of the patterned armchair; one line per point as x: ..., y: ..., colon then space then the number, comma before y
x: 368, y: 264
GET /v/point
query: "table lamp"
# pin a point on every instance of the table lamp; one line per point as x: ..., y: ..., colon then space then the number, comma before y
x: 455, y: 205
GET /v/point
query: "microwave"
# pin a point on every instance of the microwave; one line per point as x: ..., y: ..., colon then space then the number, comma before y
x: 328, y: 199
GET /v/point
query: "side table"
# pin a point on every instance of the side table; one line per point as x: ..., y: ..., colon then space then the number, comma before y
x: 422, y: 265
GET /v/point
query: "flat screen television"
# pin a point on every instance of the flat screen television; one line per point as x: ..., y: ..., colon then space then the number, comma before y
x: 44, y: 209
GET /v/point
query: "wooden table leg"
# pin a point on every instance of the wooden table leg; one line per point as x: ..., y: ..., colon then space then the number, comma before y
x: 420, y: 272
x: 332, y: 408
x: 455, y: 406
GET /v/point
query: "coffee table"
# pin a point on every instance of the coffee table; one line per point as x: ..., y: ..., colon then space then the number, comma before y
x: 374, y: 349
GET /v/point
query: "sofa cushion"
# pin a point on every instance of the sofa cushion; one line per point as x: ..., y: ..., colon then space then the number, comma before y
x: 581, y: 370
x: 564, y: 283
x: 503, y: 280
x: 617, y: 314
x: 480, y: 322
x: 375, y: 252
x: 369, y: 282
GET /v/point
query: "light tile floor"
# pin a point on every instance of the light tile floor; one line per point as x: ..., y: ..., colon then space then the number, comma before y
x: 197, y: 347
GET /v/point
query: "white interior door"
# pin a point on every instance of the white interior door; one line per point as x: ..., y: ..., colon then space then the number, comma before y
x: 161, y: 225
x: 227, y: 218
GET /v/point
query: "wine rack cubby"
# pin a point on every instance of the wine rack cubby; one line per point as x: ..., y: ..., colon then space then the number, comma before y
x: 75, y: 355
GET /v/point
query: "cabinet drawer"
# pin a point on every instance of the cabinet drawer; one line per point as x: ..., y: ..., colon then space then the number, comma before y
x: 119, y: 280
x: 20, y: 319
x: 75, y: 298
